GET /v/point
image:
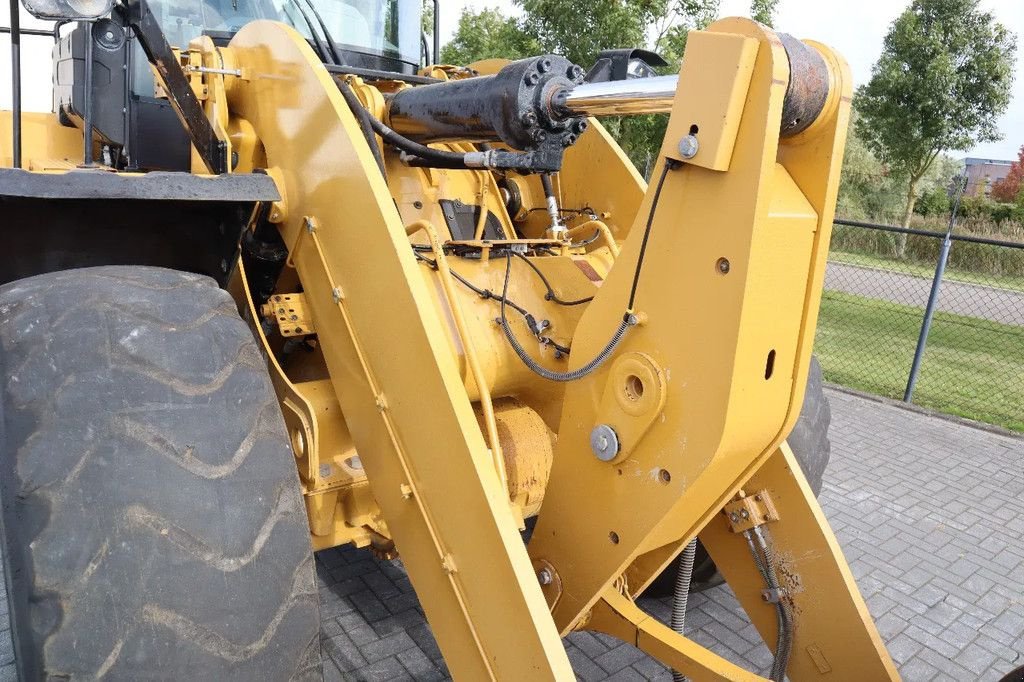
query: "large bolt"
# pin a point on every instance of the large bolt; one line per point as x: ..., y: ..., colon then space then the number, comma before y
x: 529, y: 119
x: 531, y: 78
x: 544, y: 65
x: 579, y: 125
x: 604, y: 442
x: 688, y: 147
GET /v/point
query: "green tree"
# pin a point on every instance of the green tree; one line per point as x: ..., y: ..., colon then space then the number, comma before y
x: 487, y: 34
x: 763, y: 11
x: 941, y: 83
x: 867, y: 190
x: 579, y: 30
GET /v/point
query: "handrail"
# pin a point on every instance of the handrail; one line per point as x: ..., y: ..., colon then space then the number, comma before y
x: 929, y: 233
x: 16, y: 32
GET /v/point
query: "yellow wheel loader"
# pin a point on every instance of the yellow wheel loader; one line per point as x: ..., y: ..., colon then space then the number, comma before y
x: 275, y: 281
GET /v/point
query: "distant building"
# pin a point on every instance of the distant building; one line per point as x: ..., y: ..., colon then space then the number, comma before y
x: 982, y: 173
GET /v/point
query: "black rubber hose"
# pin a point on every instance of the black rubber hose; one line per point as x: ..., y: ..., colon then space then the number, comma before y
x: 404, y: 143
x: 364, y: 119
x: 420, y: 162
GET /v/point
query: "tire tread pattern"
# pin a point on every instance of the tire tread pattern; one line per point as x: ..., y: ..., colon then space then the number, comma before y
x: 152, y: 517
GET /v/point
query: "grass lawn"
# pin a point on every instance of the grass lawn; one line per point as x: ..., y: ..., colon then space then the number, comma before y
x: 928, y: 271
x: 972, y: 368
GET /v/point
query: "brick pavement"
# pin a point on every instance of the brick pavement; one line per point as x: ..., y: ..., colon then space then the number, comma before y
x: 927, y: 510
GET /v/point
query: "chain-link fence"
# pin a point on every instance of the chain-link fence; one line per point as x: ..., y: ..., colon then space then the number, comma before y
x: 948, y: 336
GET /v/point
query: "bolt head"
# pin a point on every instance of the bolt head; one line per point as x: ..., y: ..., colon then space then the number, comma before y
x: 544, y: 65
x: 724, y: 266
x: 688, y: 147
x: 544, y: 576
x: 604, y: 442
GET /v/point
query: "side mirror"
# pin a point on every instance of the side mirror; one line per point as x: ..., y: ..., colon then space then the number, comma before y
x: 68, y: 10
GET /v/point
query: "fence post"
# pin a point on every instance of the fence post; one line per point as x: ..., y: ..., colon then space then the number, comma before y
x: 933, y: 295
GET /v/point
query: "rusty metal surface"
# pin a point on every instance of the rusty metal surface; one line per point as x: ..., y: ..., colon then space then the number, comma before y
x: 808, y: 86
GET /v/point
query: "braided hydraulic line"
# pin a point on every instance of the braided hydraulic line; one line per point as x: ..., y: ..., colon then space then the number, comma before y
x: 764, y: 558
x: 681, y: 596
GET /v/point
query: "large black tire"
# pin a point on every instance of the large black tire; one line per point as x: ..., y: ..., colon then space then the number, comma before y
x: 152, y: 521
x: 812, y: 449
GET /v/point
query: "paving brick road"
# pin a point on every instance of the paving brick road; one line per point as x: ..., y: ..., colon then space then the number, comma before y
x: 927, y: 510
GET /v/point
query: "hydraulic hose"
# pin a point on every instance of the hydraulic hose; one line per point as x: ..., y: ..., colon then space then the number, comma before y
x: 449, y: 159
x: 364, y: 119
x: 764, y: 558
x: 681, y: 596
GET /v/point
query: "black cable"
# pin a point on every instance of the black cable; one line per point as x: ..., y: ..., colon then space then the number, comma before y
x: 669, y: 164
x: 628, y: 320
x: 482, y: 293
x: 551, y: 295
x: 531, y: 321
x: 336, y: 58
x: 363, y: 119
x: 321, y: 48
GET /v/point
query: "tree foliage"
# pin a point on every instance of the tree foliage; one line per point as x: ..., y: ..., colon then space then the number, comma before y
x: 488, y: 34
x: 940, y: 85
x: 1009, y: 188
x: 763, y: 11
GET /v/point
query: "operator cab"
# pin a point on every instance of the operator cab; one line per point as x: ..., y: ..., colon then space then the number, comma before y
x: 139, y: 131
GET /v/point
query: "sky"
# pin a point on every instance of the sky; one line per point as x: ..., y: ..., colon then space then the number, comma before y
x: 855, y: 28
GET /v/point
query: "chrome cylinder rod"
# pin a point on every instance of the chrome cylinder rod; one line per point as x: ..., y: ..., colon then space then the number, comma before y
x: 806, y: 93
x: 618, y: 98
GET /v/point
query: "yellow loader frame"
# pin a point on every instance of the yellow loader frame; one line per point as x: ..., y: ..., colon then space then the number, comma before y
x: 408, y: 440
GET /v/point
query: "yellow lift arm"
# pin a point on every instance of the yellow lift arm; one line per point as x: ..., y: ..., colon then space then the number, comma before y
x: 680, y: 434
